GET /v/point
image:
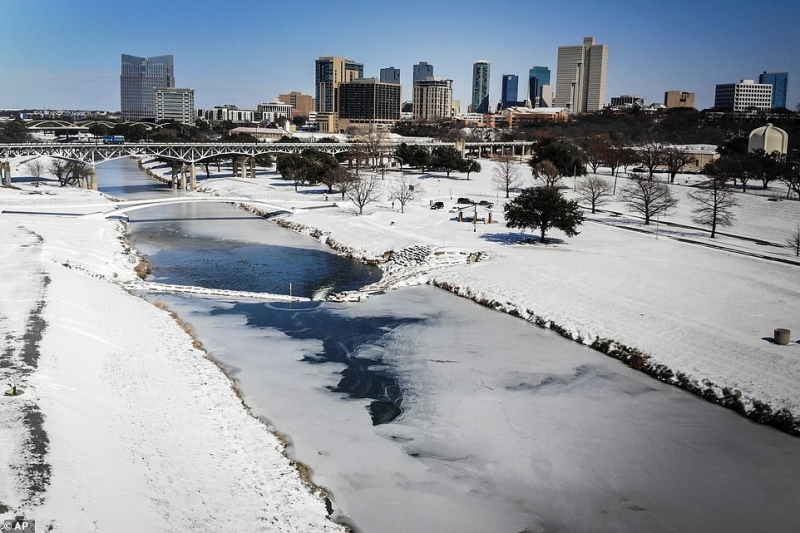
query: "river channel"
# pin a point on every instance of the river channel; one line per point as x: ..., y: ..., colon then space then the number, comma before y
x: 424, y: 412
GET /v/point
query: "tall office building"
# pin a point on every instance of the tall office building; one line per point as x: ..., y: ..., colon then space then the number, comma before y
x: 780, y: 84
x: 175, y: 104
x: 422, y: 72
x: 330, y: 72
x: 390, y: 75
x: 537, y: 78
x: 480, y: 86
x: 743, y: 96
x: 581, y: 76
x: 368, y: 102
x: 509, y: 91
x: 433, y: 99
x: 140, y: 77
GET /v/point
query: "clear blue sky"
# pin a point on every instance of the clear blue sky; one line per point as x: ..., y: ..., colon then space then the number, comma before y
x: 65, y: 54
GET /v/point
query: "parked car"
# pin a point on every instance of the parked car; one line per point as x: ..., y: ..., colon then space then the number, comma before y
x: 437, y: 205
x: 464, y: 201
x: 485, y: 203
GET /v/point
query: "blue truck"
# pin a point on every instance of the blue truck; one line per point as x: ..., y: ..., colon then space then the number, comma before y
x: 114, y: 139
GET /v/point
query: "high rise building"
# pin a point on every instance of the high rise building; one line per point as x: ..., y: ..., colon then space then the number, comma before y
x: 433, y: 99
x: 480, y: 86
x: 581, y: 76
x: 302, y: 104
x: 175, y: 104
x: 368, y: 102
x: 538, y: 77
x: 743, y: 96
x: 330, y: 72
x: 780, y: 84
x: 139, y: 79
x: 678, y: 99
x: 422, y: 72
x: 390, y: 75
x: 509, y: 91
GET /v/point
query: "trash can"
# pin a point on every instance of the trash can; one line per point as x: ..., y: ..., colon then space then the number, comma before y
x: 781, y: 336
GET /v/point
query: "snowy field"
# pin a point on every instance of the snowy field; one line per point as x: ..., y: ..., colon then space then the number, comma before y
x: 190, y: 455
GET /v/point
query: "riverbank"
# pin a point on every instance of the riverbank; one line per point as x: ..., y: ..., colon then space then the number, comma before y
x: 691, y: 311
x: 123, y: 424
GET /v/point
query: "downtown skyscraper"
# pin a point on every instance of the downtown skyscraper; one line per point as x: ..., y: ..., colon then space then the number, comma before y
x: 780, y: 84
x: 140, y: 78
x: 538, y: 77
x: 581, y: 76
x: 480, y: 87
x: 330, y: 72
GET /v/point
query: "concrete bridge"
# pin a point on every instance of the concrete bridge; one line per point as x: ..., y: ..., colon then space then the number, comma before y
x: 190, y: 154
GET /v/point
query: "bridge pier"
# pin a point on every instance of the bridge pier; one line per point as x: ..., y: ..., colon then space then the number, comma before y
x: 193, y: 175
x: 5, y: 173
x: 253, y: 167
x: 93, y: 178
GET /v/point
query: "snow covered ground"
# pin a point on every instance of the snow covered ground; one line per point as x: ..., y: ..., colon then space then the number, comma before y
x: 704, y: 308
x: 142, y: 432
x: 123, y: 424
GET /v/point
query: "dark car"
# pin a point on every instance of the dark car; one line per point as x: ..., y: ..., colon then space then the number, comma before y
x: 437, y: 205
x: 486, y: 204
x: 464, y: 201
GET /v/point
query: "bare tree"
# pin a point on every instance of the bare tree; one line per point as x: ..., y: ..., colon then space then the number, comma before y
x: 715, y: 205
x: 648, y: 197
x: 506, y: 174
x: 363, y: 191
x: 548, y: 173
x: 36, y: 167
x: 651, y: 155
x: 794, y: 239
x: 675, y: 159
x: 594, y: 190
x: 403, y: 190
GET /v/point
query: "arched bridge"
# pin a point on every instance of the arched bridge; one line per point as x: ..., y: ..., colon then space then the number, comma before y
x: 94, y: 153
x: 118, y: 209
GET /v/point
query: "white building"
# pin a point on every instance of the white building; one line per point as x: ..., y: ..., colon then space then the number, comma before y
x: 581, y: 77
x: 743, y: 96
x: 175, y: 104
x: 227, y: 112
x: 274, y: 110
x: 433, y: 99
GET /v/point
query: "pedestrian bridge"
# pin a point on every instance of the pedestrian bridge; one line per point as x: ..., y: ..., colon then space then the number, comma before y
x: 121, y: 209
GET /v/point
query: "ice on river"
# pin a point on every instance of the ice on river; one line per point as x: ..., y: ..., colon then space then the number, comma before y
x: 505, y: 427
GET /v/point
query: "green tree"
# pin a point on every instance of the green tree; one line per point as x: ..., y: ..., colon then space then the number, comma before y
x: 447, y: 158
x: 471, y: 166
x: 543, y: 208
x: 564, y: 156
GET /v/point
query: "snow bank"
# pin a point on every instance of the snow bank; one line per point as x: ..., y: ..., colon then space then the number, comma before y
x: 123, y: 425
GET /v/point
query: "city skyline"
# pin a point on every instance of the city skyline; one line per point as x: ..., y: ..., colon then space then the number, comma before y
x: 65, y: 55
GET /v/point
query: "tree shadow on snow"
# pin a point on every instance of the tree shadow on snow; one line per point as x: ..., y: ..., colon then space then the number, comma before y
x: 518, y: 238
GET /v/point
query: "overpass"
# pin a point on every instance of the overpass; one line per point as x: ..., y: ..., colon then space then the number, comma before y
x: 190, y: 154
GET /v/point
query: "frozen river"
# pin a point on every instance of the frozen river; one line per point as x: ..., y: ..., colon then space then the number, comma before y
x: 421, y: 411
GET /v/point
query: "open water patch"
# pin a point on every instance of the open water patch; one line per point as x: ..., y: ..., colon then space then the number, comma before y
x: 358, y: 343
